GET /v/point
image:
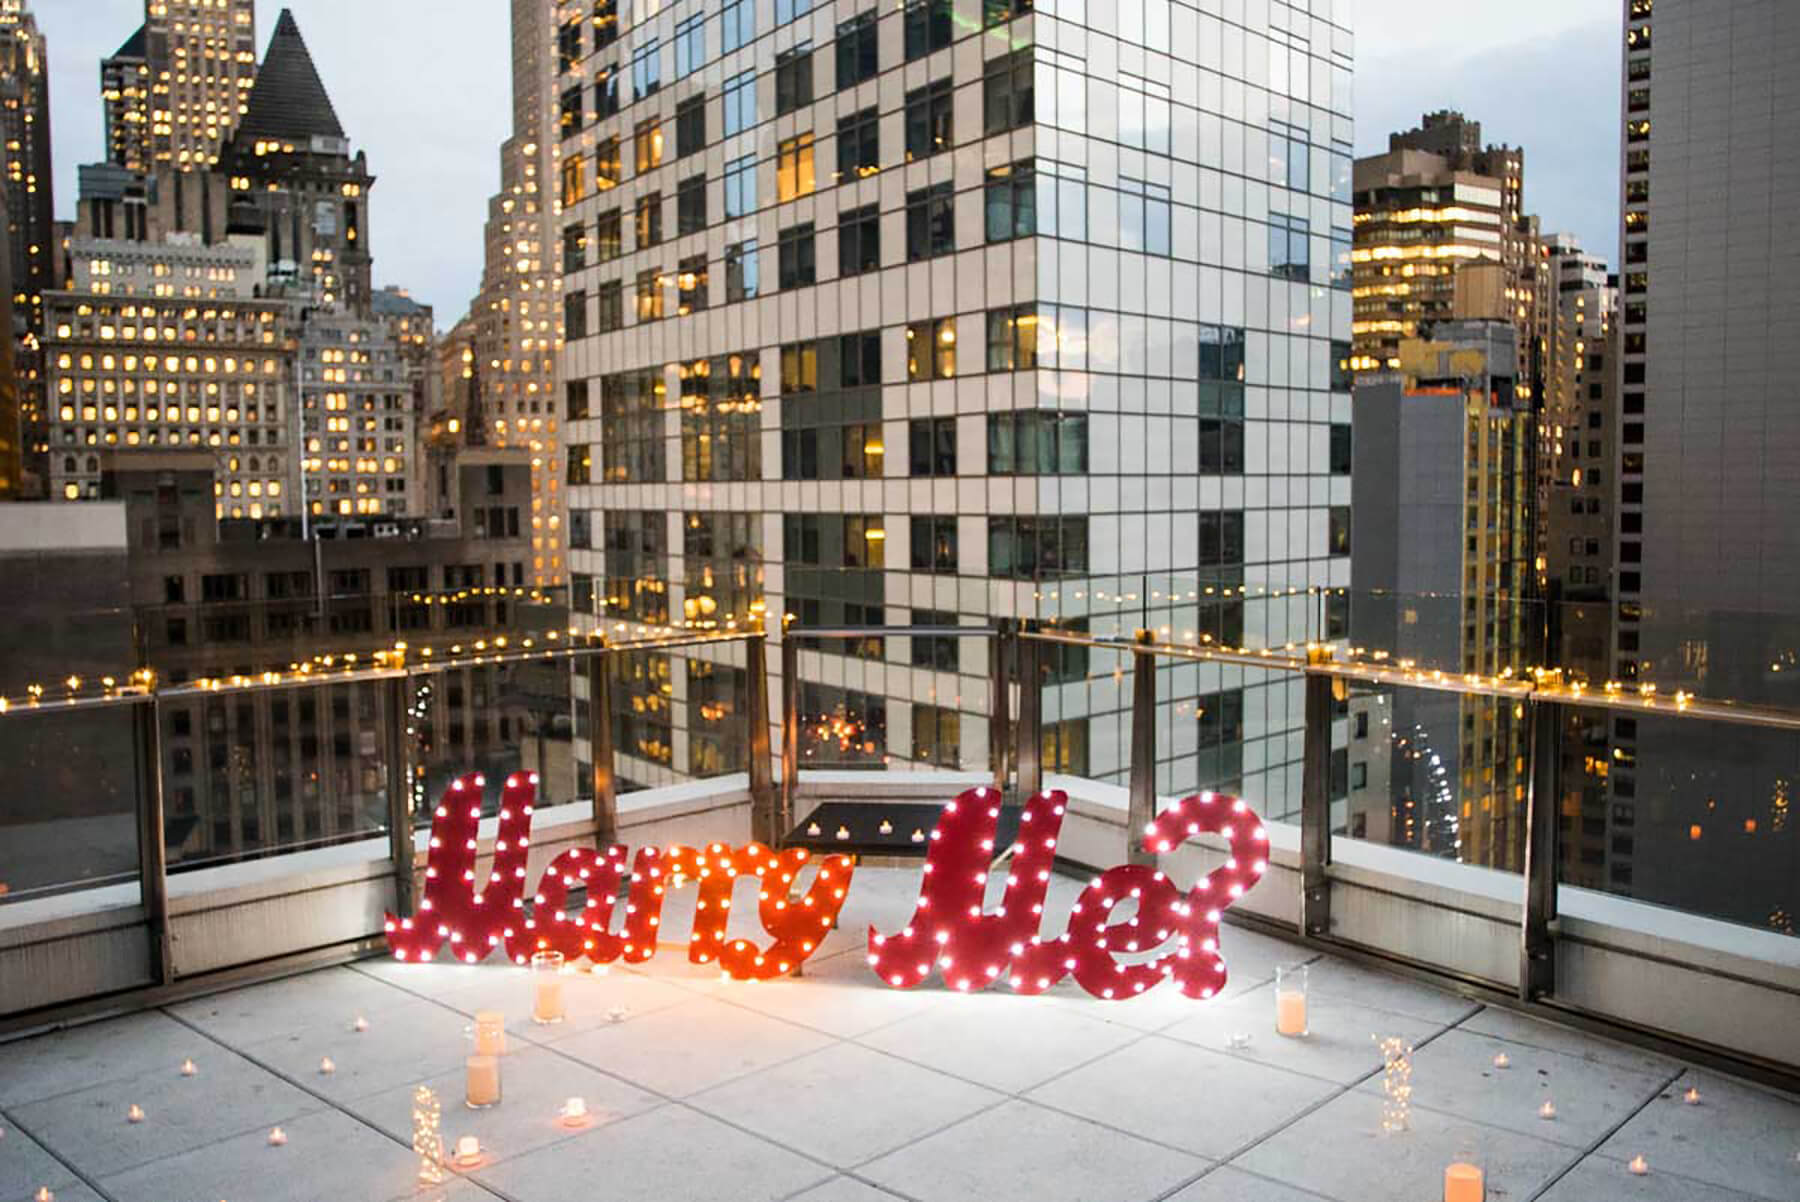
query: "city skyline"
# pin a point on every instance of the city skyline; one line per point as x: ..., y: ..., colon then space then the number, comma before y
x: 433, y: 140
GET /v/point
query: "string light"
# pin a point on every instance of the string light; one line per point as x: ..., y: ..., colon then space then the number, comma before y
x: 1396, y: 1084
x: 427, y: 1140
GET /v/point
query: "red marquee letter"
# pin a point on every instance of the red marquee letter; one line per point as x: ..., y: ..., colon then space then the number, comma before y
x: 452, y: 911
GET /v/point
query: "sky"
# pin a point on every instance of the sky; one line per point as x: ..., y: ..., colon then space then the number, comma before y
x: 423, y: 86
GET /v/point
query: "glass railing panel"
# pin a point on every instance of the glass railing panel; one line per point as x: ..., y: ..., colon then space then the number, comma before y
x: 495, y: 718
x: 69, y: 800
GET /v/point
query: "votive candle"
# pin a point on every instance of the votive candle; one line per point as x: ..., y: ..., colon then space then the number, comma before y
x: 1464, y: 1183
x: 483, y: 1084
x: 490, y: 1033
x: 1290, y: 1001
x: 547, y: 987
x: 468, y: 1150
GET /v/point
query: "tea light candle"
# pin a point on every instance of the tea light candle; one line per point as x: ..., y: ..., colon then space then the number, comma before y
x: 1238, y: 1040
x: 468, y: 1150
x: 575, y: 1112
x: 616, y: 1014
x: 843, y: 832
x: 1547, y: 1110
x: 490, y: 1033
x: 1290, y: 1012
x: 327, y: 1067
x: 1464, y: 1183
x: 135, y: 1114
x: 360, y: 1025
x: 1638, y: 1167
x: 886, y: 827
x: 814, y: 829
x: 277, y: 1137
x: 1502, y: 1060
x: 1692, y: 1096
x: 43, y: 1195
x: 483, y: 1085
x: 189, y: 1068
x: 547, y: 998
x: 918, y: 836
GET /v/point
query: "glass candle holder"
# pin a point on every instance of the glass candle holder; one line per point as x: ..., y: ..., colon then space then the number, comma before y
x: 547, y: 987
x: 489, y: 1033
x: 1465, y: 1178
x: 482, y: 1088
x: 1290, y: 1001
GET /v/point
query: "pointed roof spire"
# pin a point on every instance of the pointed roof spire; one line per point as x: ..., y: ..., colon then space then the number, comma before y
x: 133, y: 47
x: 288, y: 101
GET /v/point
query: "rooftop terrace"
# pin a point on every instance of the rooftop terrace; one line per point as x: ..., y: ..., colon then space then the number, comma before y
x: 834, y: 1088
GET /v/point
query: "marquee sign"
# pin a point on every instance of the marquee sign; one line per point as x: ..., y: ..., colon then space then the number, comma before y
x: 951, y: 929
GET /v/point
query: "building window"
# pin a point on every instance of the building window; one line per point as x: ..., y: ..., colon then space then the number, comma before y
x: 575, y: 400
x: 606, y: 91
x: 856, y: 50
x: 737, y: 25
x: 1144, y: 113
x: 648, y: 220
x: 859, y: 240
x: 1340, y: 449
x: 649, y: 295
x: 795, y: 264
x: 740, y: 102
x: 570, y: 112
x: 931, y: 349
x: 930, y: 222
x: 931, y: 446
x: 1222, y: 538
x: 1006, y: 92
x: 721, y: 422
x: 574, y: 249
x: 690, y: 205
x: 1012, y: 338
x: 934, y: 545
x: 631, y: 434
x: 1144, y: 216
x: 637, y: 565
x: 799, y: 368
x: 858, y: 145
x: 610, y: 303
x: 1338, y: 531
x: 1029, y: 548
x: 740, y: 186
x: 859, y: 360
x: 575, y: 315
x: 1011, y: 201
x: 690, y: 126
x: 690, y: 285
x: 646, y: 69
x: 607, y: 168
x: 934, y: 651
x: 929, y: 115
x: 936, y: 736
x: 723, y: 566
x: 609, y: 236
x: 998, y: 12
x: 794, y: 167
x: 741, y: 270
x: 648, y: 143
x: 1221, y: 446
x: 929, y: 27
x: 581, y: 464
x: 793, y: 78
x: 1037, y: 442
x: 574, y: 179
x: 690, y: 45
x: 1289, y: 253
x: 1289, y: 157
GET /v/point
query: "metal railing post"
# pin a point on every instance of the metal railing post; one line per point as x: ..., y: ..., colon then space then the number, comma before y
x: 1315, y: 802
x: 399, y: 794
x: 764, y: 816
x: 153, y: 851
x: 1142, y: 807
x: 1000, y: 701
x: 790, y: 730
x: 600, y: 745
x: 1537, y: 942
x: 1028, y: 744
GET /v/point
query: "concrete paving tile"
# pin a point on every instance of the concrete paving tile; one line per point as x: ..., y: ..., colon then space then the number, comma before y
x: 844, y: 1189
x: 1000, y: 1040
x: 1023, y: 1153
x: 328, y: 1156
x: 401, y: 1046
x: 332, y: 995
x: 65, y: 1061
x: 588, y: 998
x: 1455, y: 1073
x: 1184, y: 1096
x: 88, y: 1129
x: 685, y: 1049
x: 71, y: 1191
x: 844, y: 1104
x: 456, y: 1189
x: 1339, y: 1047
x: 1740, y: 1137
x: 1380, y: 991
x: 1339, y: 1150
x: 671, y: 1152
x: 1226, y: 1184
x: 838, y: 996
x: 534, y: 1084
x: 1597, y: 1178
x: 1523, y: 1028
x: 25, y: 1166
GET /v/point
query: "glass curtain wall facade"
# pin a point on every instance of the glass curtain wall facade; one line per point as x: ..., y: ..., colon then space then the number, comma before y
x: 963, y: 303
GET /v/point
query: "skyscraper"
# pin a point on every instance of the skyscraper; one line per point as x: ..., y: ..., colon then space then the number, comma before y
x: 201, y: 58
x: 125, y: 90
x: 889, y: 313
x: 31, y: 243
x: 517, y: 315
x: 1708, y: 548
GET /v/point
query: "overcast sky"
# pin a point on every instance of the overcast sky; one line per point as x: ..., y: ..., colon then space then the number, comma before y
x: 422, y: 85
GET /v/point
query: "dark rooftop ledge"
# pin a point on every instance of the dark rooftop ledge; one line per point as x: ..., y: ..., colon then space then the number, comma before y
x: 1708, y: 988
